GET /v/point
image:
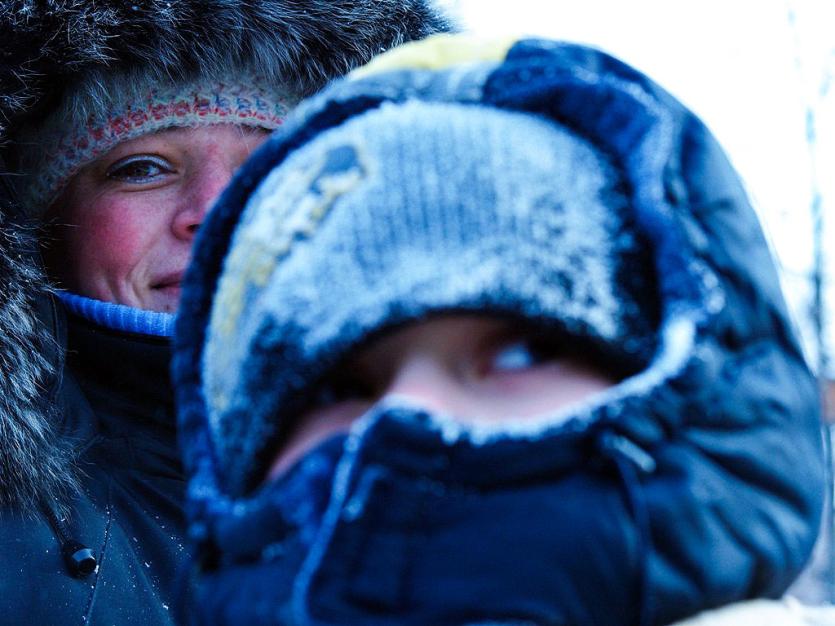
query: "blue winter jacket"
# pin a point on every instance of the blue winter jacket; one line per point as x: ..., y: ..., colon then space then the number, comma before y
x: 700, y: 484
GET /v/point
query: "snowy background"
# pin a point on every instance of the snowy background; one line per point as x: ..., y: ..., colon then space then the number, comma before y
x: 760, y: 73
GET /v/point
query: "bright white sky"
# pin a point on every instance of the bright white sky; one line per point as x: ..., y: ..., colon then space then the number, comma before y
x: 751, y: 69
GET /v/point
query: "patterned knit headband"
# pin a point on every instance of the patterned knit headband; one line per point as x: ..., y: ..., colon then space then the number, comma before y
x: 54, y: 151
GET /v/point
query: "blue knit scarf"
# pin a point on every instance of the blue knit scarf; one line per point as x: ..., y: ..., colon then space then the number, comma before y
x: 118, y: 316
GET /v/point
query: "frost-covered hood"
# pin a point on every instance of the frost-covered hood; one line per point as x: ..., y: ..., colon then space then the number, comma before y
x: 635, y: 130
x: 726, y: 410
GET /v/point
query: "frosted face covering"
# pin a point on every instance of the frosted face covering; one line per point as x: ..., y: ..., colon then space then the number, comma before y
x: 401, y: 212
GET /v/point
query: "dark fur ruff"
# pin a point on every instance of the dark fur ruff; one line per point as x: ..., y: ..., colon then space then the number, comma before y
x: 49, y: 45
x: 302, y: 43
x: 34, y: 468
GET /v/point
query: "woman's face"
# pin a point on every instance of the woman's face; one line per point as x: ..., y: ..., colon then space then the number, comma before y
x: 126, y: 222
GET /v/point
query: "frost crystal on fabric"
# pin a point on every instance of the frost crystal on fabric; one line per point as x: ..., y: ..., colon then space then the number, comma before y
x: 400, y: 212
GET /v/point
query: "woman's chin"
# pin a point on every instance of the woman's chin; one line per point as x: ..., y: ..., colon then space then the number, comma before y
x: 163, y: 299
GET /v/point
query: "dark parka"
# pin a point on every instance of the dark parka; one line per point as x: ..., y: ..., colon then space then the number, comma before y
x: 90, y: 480
x: 701, y: 485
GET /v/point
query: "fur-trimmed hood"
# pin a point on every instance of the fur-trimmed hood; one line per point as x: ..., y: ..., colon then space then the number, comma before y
x: 49, y: 47
x: 33, y: 464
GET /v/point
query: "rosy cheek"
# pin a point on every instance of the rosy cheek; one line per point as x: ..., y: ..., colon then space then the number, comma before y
x: 103, y: 243
x: 532, y: 392
x: 565, y: 383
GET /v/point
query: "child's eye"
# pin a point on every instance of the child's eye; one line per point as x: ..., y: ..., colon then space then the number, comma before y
x: 522, y: 353
x: 139, y: 169
x: 341, y: 388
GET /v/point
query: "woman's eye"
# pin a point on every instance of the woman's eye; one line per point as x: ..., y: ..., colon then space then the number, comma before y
x: 139, y: 169
x: 524, y: 353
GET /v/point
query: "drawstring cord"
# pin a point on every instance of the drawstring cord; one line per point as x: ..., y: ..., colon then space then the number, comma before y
x: 630, y: 460
x: 79, y: 559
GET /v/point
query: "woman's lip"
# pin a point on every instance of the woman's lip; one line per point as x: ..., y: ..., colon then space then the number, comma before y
x: 168, y: 281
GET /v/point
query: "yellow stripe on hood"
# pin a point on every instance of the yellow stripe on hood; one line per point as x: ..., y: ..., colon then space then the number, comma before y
x: 437, y: 52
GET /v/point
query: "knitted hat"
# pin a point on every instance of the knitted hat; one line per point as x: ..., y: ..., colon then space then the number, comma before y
x: 401, y: 212
x: 78, y: 77
x: 88, y: 124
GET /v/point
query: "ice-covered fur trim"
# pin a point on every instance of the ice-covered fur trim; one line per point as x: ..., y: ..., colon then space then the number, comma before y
x: 301, y: 44
x: 33, y: 466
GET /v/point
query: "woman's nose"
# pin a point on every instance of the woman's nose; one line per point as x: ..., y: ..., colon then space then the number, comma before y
x: 203, y: 188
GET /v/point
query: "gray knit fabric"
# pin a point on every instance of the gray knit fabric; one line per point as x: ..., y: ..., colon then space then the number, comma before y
x: 402, y: 211
x: 105, y: 109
